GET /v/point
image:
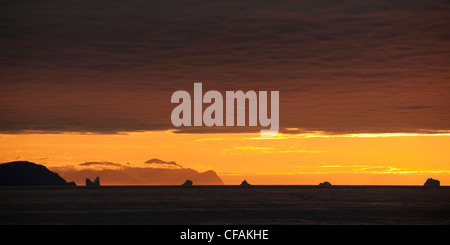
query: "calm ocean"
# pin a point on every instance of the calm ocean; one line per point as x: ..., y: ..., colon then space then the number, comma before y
x: 225, y: 205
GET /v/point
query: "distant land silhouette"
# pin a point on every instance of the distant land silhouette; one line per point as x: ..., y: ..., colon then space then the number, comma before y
x: 143, y: 176
x: 24, y: 173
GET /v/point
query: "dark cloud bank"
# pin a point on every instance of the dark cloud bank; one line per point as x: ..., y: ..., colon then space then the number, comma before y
x: 111, y: 66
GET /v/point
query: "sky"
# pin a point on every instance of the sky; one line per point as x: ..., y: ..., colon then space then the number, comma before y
x: 364, y: 86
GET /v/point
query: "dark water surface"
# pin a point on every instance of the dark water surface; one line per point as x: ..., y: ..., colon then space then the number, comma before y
x: 265, y: 205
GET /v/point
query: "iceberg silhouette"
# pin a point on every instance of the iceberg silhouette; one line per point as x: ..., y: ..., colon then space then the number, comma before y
x: 96, y: 182
x: 187, y: 183
x: 245, y: 183
x: 326, y: 183
x: 432, y: 182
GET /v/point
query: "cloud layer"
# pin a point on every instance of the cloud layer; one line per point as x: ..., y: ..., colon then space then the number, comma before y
x: 163, y: 163
x: 340, y: 67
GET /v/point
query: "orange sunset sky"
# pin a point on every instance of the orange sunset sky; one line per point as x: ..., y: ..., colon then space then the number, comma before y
x: 310, y: 158
x: 364, y: 87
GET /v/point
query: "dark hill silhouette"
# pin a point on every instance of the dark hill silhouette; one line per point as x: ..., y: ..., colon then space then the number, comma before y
x: 23, y: 173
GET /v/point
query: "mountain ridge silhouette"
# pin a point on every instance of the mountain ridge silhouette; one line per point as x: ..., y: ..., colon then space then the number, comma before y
x: 143, y: 176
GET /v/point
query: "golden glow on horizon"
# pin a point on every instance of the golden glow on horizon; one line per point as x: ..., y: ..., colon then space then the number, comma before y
x: 307, y: 158
x: 320, y: 134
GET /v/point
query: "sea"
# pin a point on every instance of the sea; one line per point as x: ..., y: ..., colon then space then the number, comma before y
x: 225, y: 205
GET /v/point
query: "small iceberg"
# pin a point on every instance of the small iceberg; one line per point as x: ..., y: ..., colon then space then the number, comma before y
x: 187, y: 183
x: 326, y: 183
x: 96, y: 182
x: 432, y: 182
x: 245, y: 183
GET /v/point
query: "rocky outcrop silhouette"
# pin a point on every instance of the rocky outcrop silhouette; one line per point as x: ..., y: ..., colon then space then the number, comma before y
x: 24, y: 173
x: 96, y: 182
x: 432, y: 182
x: 245, y: 183
x: 187, y: 183
x: 326, y: 183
